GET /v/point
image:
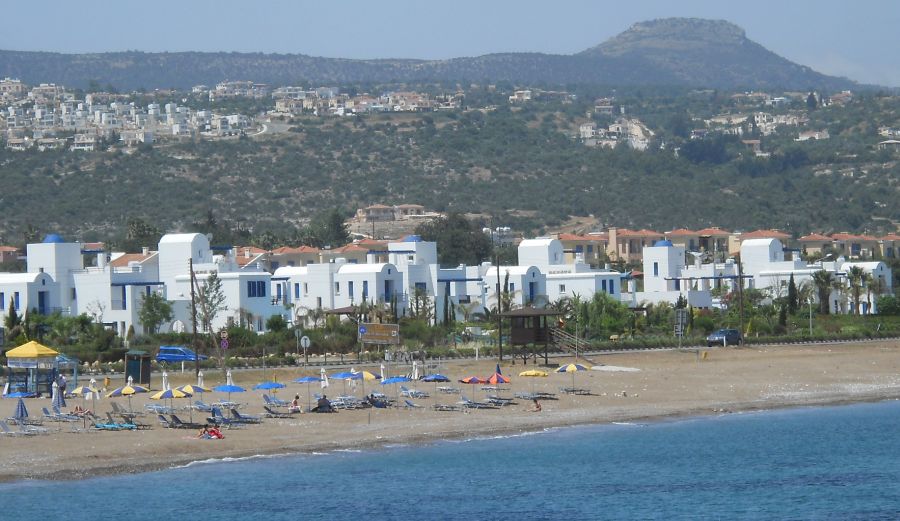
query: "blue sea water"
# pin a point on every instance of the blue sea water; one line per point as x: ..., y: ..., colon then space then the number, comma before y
x: 810, y: 463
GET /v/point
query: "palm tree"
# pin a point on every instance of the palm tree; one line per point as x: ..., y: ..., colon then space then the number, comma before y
x: 823, y: 280
x: 855, y: 276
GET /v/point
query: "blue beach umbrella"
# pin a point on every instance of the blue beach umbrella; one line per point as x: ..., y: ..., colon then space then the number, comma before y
x: 344, y: 376
x: 396, y: 380
x: 269, y: 386
x: 18, y: 394
x: 229, y: 389
x: 436, y: 377
x: 308, y: 380
x: 21, y: 413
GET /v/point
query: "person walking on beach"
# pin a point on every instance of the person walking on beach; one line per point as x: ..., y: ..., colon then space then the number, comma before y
x: 536, y: 407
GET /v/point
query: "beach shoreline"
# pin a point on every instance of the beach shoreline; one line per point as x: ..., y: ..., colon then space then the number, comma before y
x: 670, y: 385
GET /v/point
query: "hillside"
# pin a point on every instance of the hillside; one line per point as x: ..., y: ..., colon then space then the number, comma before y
x: 668, y: 52
x: 513, y: 163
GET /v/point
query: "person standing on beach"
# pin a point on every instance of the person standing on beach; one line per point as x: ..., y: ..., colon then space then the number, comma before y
x: 536, y: 407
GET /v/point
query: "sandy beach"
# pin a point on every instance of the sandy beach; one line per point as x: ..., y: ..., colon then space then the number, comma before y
x: 665, y: 384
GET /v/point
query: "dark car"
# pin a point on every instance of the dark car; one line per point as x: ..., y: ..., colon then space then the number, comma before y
x: 175, y: 354
x: 724, y: 337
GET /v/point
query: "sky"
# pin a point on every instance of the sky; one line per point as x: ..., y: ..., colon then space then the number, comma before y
x: 853, y: 39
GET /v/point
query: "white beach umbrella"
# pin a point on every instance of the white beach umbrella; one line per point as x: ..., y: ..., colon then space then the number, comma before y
x: 382, y: 372
x: 130, y: 380
x: 165, y: 381
x: 324, y: 378
x: 415, y: 373
x: 200, y: 379
x: 228, y: 379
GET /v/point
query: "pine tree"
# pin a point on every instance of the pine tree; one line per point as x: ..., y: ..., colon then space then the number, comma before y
x: 793, y: 302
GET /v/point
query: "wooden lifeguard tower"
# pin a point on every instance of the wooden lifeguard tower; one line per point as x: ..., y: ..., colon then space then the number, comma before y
x: 530, y: 326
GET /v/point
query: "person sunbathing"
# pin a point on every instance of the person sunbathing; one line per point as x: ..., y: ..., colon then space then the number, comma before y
x: 215, y: 433
x: 80, y: 411
x: 295, y: 404
x: 204, y: 433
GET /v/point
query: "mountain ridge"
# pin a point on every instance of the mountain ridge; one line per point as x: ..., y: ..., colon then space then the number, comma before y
x: 663, y: 52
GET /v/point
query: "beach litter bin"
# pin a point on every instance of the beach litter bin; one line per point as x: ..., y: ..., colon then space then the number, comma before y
x: 137, y: 366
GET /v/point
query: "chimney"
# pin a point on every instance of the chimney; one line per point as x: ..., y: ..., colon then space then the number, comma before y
x: 247, y: 253
x: 145, y: 251
x: 101, y: 260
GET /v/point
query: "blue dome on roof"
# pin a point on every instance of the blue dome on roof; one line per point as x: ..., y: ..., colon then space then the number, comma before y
x: 52, y: 238
x: 666, y: 243
x: 412, y: 238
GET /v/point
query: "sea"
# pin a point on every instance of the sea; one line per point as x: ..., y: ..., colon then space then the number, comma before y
x: 840, y: 462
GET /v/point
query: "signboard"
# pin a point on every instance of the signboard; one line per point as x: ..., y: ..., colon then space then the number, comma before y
x: 224, y: 343
x: 388, y: 334
x: 679, y: 330
x: 305, y: 342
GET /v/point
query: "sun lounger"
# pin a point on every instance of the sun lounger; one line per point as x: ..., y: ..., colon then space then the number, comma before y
x: 244, y: 418
x: 200, y: 406
x: 469, y: 404
x: 63, y: 416
x: 445, y: 407
x: 58, y: 416
x: 272, y: 401
x: 157, y: 409
x: 124, y: 425
x: 118, y: 409
x: 411, y: 405
x: 448, y: 390
x: 164, y: 422
x: 178, y: 424
x: 498, y: 401
x: 272, y: 413
x: 575, y: 390
x: 219, y: 419
x: 412, y: 393
x: 33, y: 429
x: 4, y: 429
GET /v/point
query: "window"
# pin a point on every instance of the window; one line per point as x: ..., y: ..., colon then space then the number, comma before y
x: 512, y: 288
x: 677, y: 284
x: 251, y: 288
x: 147, y: 290
x: 612, y: 288
x: 365, y: 294
x: 278, y: 292
x: 350, y: 289
x: 562, y: 288
x: 306, y: 288
x: 421, y: 287
x: 2, y: 300
x: 256, y: 288
x: 16, y: 300
x: 590, y: 248
x: 337, y: 288
x: 261, y: 288
x: 656, y: 269
x: 73, y: 293
x: 296, y: 290
x: 579, y: 249
x: 603, y: 284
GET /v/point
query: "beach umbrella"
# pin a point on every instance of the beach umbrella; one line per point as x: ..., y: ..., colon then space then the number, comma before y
x: 84, y: 391
x: 191, y: 390
x: 200, y: 379
x: 165, y: 380
x: 170, y: 394
x: 394, y: 380
x: 368, y: 376
x: 497, y: 379
x: 269, y: 386
x: 415, y: 371
x: 57, y: 398
x: 571, y: 368
x: 130, y: 380
x: 382, y: 371
x: 128, y: 390
x: 21, y: 413
x: 533, y: 373
x: 229, y: 388
x: 473, y: 381
x: 18, y: 394
x: 228, y: 379
x: 436, y: 377
x: 324, y: 378
x: 344, y: 376
x: 308, y: 380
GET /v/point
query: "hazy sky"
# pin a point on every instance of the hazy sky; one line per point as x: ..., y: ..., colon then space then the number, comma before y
x: 854, y: 39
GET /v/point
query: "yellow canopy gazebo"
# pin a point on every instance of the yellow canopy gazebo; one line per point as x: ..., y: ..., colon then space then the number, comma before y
x: 34, y: 357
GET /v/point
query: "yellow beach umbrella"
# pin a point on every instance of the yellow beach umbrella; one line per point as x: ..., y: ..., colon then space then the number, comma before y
x: 128, y: 390
x: 571, y: 368
x: 533, y: 373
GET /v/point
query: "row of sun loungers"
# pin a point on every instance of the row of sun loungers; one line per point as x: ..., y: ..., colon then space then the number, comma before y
x: 23, y: 430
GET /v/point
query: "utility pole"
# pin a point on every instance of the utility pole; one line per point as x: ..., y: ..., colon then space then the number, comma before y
x: 499, y: 311
x: 740, y: 266
x: 194, y: 319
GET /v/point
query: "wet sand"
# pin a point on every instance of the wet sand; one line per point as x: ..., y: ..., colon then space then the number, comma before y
x: 668, y: 384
